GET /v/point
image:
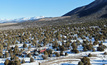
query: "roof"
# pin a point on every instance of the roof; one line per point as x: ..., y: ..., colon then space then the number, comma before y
x: 43, y: 50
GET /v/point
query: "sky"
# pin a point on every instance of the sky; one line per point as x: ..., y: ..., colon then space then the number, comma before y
x: 13, y: 9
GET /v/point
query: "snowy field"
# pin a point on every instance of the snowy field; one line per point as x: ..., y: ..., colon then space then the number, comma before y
x: 100, y: 59
x: 72, y: 58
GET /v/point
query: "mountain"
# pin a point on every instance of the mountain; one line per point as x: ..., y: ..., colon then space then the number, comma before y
x: 20, y: 19
x: 96, y: 9
x: 93, y: 12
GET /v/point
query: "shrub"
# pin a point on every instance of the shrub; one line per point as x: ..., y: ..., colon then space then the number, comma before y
x: 31, y: 60
x: 66, y: 54
x: 86, y: 61
x: 100, y: 49
x: 105, y: 53
x: 80, y: 63
x: 29, y: 55
x: 23, y: 61
x: 24, y: 45
x: 57, y: 54
x: 44, y: 56
x: 6, y: 62
x: 61, y: 53
x: 90, y: 55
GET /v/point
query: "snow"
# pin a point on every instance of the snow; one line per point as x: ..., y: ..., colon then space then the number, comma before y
x: 2, y: 61
x: 99, y: 60
x: 33, y: 63
x: 20, y: 19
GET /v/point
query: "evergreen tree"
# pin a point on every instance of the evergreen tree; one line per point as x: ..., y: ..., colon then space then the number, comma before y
x: 29, y: 55
x: 23, y: 61
x: 24, y: 45
x: 86, y: 61
x: 61, y: 53
x: 1, y: 54
x: 90, y: 55
x: 6, y: 54
x: 1, y: 47
x: 31, y: 59
x: 57, y: 54
x: 66, y: 54
x: 80, y: 63
x: 6, y: 62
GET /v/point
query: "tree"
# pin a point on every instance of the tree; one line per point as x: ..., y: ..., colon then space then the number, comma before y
x: 74, y: 46
x: 86, y: 61
x: 16, y: 58
x: 1, y: 54
x: 44, y: 56
x: 55, y: 44
x: 100, y: 49
x: 17, y: 62
x: 29, y: 47
x: 80, y: 63
x: 66, y: 54
x: 57, y: 54
x: 67, y: 44
x: 29, y: 55
x: 6, y: 54
x: 78, y: 42
x: 31, y: 59
x: 23, y: 61
x: 50, y: 51
x: 61, y: 53
x: 45, y: 53
x: 95, y: 42
x: 89, y: 47
x: 24, y: 45
x: 105, y: 53
x: 6, y: 62
x: 90, y: 55
x: 84, y: 48
x: 1, y: 47
x: 93, y: 49
x: 16, y: 50
x: 61, y: 48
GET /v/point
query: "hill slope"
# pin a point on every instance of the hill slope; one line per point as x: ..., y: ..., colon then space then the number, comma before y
x: 98, y: 8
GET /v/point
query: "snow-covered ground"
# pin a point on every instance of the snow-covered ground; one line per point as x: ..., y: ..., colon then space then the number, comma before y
x: 99, y: 60
x: 70, y: 59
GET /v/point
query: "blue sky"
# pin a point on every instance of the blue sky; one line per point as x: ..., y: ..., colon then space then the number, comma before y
x: 12, y: 9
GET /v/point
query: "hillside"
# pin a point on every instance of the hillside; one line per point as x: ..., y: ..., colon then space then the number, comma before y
x: 96, y: 9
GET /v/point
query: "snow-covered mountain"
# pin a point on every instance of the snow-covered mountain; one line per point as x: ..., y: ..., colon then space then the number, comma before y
x: 20, y: 19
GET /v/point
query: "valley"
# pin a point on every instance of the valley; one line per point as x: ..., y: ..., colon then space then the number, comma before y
x: 66, y: 44
x: 78, y: 37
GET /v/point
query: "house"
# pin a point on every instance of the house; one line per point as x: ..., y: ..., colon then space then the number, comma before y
x: 41, y: 51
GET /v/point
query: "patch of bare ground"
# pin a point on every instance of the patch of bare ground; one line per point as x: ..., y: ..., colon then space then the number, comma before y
x: 10, y: 26
x: 3, y: 24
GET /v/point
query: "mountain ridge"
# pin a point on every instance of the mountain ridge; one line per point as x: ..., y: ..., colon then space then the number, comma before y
x: 20, y: 19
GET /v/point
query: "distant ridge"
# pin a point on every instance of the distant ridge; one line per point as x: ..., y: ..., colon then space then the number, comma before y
x: 20, y: 19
